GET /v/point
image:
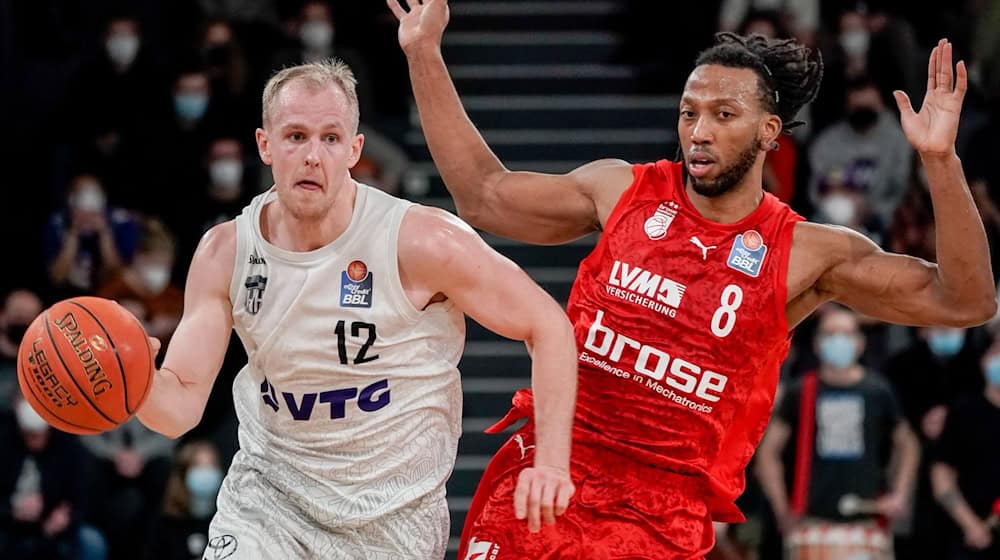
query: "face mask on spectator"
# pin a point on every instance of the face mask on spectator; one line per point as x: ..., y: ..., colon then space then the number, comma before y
x: 190, y: 106
x: 15, y: 332
x: 316, y: 35
x: 855, y: 42
x: 88, y: 199
x: 155, y: 277
x: 993, y: 370
x: 946, y: 343
x: 28, y: 419
x: 838, y: 350
x: 203, y: 482
x: 862, y: 118
x: 122, y: 48
x: 226, y: 173
x: 840, y: 209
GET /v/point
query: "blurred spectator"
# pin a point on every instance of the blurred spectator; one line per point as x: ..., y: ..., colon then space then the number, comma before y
x: 383, y: 164
x: 20, y: 308
x: 780, y: 165
x: 181, y: 532
x: 866, y: 151
x: 869, y: 43
x: 147, y: 281
x: 845, y: 450
x: 132, y: 467
x: 912, y: 228
x: 88, y: 241
x: 967, y: 464
x: 801, y: 17
x: 118, y: 85
x: 227, y: 66
x: 42, y: 491
x: 939, y: 367
x: 314, y: 32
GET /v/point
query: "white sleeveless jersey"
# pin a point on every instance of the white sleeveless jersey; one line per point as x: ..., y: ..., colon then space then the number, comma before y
x: 350, y: 406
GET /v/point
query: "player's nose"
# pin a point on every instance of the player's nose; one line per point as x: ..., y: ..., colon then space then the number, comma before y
x: 701, y: 132
x: 312, y: 154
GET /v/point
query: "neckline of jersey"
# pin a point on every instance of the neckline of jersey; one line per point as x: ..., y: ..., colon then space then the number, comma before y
x: 751, y: 218
x: 321, y: 253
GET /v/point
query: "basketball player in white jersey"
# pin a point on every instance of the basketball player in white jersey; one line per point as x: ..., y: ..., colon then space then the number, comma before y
x: 350, y: 305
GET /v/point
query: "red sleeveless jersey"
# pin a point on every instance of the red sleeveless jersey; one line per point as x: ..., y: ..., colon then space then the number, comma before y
x: 680, y: 326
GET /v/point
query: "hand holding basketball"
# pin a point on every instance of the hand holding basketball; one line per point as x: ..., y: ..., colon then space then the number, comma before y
x: 85, y: 365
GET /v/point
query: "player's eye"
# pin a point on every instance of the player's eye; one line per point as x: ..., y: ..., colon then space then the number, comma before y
x: 725, y: 114
x: 687, y: 114
x: 296, y: 136
x: 330, y: 138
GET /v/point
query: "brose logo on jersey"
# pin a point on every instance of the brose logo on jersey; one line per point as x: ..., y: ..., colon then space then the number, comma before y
x: 356, y: 286
x: 644, y: 288
x: 747, y: 255
x: 655, y: 366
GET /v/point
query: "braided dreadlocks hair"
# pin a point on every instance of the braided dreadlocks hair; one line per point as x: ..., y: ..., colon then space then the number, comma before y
x: 788, y: 78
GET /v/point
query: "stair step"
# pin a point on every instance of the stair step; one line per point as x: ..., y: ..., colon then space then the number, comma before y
x: 568, y: 111
x: 544, y: 79
x: 533, y: 15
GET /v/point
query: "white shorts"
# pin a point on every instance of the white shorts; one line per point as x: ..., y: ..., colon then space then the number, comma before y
x: 254, y: 522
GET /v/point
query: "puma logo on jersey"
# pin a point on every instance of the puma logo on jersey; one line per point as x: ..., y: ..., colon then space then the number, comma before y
x: 481, y: 550
x: 642, y: 287
x: 524, y: 448
x: 704, y: 250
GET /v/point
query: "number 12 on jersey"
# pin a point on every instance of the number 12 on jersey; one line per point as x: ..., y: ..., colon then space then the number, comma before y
x: 356, y: 328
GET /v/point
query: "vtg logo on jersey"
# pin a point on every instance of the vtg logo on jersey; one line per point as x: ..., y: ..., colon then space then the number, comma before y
x: 356, y: 286
x: 747, y: 255
x: 642, y: 287
x: 657, y: 225
x: 652, y: 366
x: 371, y: 398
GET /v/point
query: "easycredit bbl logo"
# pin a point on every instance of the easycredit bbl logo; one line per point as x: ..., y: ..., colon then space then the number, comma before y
x: 356, y: 286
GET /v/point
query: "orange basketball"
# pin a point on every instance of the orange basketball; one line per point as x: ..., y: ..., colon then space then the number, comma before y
x: 85, y: 365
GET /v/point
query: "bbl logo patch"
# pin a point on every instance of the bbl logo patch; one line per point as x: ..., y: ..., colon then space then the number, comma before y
x: 747, y: 255
x: 255, y: 285
x: 356, y: 286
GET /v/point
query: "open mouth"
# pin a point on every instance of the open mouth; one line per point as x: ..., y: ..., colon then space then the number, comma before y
x: 309, y: 185
x: 700, y: 164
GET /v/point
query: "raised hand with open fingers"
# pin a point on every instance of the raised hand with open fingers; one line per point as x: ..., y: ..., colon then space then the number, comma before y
x: 932, y: 131
x: 421, y: 23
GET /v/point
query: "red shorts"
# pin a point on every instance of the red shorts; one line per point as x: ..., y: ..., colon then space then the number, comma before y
x: 621, y: 510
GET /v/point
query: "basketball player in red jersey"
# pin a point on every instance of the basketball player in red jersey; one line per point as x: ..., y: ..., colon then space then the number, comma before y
x: 683, y: 311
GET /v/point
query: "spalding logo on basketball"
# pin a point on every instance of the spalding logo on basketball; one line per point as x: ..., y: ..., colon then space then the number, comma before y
x: 357, y: 271
x: 752, y: 240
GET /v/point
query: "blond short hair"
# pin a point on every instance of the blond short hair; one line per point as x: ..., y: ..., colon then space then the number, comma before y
x: 330, y: 71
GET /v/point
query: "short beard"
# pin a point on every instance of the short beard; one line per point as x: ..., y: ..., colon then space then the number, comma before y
x: 729, y: 177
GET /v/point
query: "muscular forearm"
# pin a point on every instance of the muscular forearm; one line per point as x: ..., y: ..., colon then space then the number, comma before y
x: 553, y: 382
x: 963, y: 253
x: 172, y: 407
x: 461, y: 154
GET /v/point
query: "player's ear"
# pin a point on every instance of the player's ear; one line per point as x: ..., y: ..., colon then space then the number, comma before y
x: 263, y: 146
x: 356, y: 146
x: 770, y: 129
